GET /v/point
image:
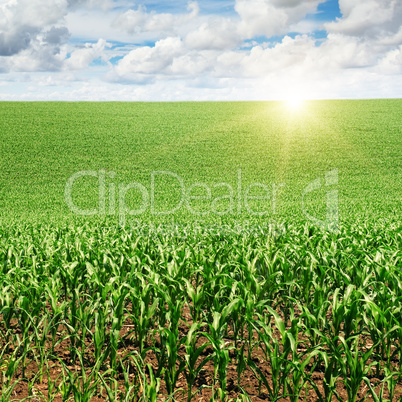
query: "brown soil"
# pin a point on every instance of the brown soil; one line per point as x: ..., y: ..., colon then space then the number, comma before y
x: 37, y: 389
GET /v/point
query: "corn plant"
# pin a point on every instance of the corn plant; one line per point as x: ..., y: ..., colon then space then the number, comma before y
x: 220, y: 348
x: 193, y: 353
x: 149, y: 386
x: 277, y: 349
x: 79, y: 384
x: 100, y: 300
x: 353, y: 365
x: 171, y: 342
x: 142, y: 314
x: 117, y: 306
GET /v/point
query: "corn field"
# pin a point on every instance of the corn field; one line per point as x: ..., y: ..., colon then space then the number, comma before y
x: 94, y: 313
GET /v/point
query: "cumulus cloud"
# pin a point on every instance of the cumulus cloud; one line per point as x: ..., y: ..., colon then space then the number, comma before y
x: 56, y: 36
x: 139, y: 20
x: 368, y: 18
x: 217, y: 33
x: 293, y: 3
x: 32, y: 35
x: 148, y: 60
x: 35, y: 58
x: 103, y: 4
x: 369, y: 34
x: 82, y: 57
x: 297, y: 57
x: 13, y: 42
x: 254, y: 18
x: 237, y: 54
x: 21, y: 21
x: 391, y: 63
x: 271, y: 17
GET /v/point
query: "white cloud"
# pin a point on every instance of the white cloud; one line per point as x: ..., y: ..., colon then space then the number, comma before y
x: 255, y: 18
x: 217, y: 33
x: 37, y: 57
x: 294, y: 3
x: 81, y: 58
x: 271, y: 17
x: 316, y: 84
x: 90, y: 25
x: 135, y: 21
x: 150, y: 60
x: 298, y: 56
x: 31, y: 13
x: 342, y: 52
x: 391, y: 63
x: 103, y: 4
x: 139, y: 20
x: 368, y: 18
x: 22, y: 20
x: 33, y: 37
x: 198, y: 56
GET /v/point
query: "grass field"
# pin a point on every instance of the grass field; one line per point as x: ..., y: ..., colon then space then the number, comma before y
x: 43, y: 144
x: 201, y: 251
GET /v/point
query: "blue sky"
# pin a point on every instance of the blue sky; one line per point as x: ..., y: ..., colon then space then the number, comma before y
x: 200, y: 50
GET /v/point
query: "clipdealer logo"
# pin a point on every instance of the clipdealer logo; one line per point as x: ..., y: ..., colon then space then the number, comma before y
x: 112, y: 196
x: 331, y: 221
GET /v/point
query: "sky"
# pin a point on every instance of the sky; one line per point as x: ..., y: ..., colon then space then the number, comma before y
x: 152, y: 50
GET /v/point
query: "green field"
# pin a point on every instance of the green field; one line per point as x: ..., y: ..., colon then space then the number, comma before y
x: 43, y: 144
x: 241, y: 251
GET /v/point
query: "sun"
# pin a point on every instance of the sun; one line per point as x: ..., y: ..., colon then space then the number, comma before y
x: 294, y: 104
x: 294, y: 101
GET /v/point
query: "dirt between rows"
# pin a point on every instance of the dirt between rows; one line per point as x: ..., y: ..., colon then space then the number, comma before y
x: 257, y: 392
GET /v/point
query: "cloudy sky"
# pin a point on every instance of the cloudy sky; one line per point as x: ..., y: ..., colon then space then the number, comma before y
x: 200, y: 50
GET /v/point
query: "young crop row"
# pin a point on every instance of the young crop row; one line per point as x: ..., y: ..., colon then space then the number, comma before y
x: 92, y: 313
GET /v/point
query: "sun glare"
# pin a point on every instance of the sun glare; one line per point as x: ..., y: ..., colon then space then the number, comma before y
x: 294, y: 101
x: 294, y: 104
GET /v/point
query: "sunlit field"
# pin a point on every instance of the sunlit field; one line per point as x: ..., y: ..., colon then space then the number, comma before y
x: 275, y: 144
x: 239, y: 251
